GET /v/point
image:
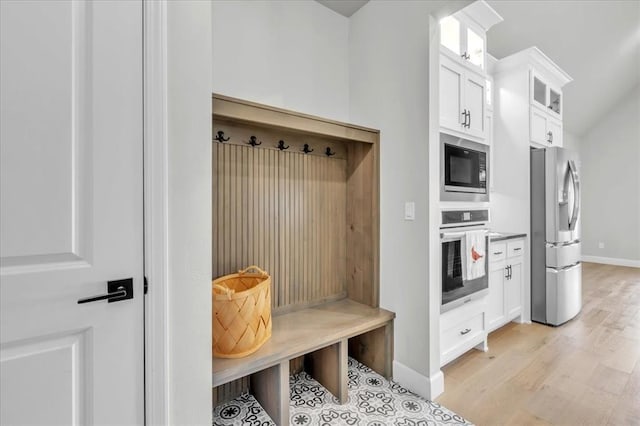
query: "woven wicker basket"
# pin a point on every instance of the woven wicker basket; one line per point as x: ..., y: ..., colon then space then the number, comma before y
x: 241, y: 312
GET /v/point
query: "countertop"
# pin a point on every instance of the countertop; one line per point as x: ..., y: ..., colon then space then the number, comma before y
x: 501, y: 236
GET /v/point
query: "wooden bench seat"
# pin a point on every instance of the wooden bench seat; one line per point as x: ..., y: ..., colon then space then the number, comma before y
x: 326, y: 334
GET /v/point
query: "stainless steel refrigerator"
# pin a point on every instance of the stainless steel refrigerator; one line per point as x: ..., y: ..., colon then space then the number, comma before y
x: 556, y: 271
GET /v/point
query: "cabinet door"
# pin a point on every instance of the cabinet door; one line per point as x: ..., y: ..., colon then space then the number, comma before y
x: 475, y: 47
x: 474, y: 96
x: 450, y: 34
x: 496, y: 303
x: 555, y: 102
x: 554, y: 131
x: 539, y: 91
x: 451, y: 86
x: 513, y: 291
x: 538, y: 127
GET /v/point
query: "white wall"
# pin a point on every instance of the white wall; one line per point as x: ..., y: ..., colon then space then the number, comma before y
x: 389, y: 90
x: 189, y: 133
x: 570, y: 141
x: 610, y: 170
x: 290, y: 54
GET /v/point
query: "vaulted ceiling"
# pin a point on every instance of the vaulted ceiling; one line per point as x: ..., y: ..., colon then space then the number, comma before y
x: 595, y: 42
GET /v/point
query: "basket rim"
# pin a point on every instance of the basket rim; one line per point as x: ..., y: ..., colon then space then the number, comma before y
x: 244, y: 293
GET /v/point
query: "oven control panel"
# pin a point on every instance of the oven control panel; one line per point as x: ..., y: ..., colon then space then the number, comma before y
x: 451, y: 218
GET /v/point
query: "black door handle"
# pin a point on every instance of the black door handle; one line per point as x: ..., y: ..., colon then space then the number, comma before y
x: 116, y: 291
x: 464, y: 114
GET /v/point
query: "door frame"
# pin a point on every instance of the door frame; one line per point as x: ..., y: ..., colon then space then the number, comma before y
x: 156, y: 208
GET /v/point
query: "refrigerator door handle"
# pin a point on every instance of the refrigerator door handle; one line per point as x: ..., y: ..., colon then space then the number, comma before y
x: 576, y: 197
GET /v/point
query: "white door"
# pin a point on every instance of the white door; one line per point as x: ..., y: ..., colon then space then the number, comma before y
x: 451, y: 80
x: 474, y: 93
x: 71, y: 212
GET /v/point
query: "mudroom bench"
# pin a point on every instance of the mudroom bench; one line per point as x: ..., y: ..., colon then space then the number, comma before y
x: 318, y: 340
x: 298, y: 196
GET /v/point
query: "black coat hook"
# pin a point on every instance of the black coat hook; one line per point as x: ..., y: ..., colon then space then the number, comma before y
x: 328, y: 152
x: 306, y: 149
x: 281, y: 145
x: 220, y: 137
x: 253, y: 141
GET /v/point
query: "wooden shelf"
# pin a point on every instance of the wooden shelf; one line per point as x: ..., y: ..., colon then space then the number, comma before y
x: 302, y: 332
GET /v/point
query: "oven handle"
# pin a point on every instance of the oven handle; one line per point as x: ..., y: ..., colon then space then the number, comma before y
x: 446, y: 236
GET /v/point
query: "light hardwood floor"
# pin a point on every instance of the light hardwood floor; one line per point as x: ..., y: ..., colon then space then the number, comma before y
x: 586, y: 372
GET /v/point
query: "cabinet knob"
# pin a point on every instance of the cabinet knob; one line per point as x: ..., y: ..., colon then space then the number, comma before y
x: 465, y: 331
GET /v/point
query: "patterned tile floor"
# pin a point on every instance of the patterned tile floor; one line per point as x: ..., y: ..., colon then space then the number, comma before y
x: 373, y: 401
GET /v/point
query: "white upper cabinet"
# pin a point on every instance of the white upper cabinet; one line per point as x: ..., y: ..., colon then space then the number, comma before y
x: 462, y: 100
x: 545, y: 130
x: 544, y: 96
x: 451, y: 87
x: 463, y: 34
x: 530, y: 85
x: 450, y: 36
x: 474, y: 96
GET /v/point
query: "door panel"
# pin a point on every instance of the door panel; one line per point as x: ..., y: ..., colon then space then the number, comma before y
x: 56, y: 383
x: 538, y: 129
x: 71, y: 211
x: 450, y: 94
x: 44, y: 142
x: 555, y: 128
x: 514, y: 291
x: 496, y: 305
x: 474, y: 93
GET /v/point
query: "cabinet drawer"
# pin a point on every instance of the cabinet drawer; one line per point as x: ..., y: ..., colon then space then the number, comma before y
x: 497, y: 252
x: 462, y: 332
x: 515, y: 248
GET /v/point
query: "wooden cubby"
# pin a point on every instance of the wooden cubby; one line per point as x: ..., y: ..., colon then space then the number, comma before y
x: 312, y: 221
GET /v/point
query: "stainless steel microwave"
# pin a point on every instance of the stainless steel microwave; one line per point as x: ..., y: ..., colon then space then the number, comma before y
x: 464, y: 169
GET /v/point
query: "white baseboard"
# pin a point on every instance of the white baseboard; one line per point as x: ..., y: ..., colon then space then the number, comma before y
x: 426, y: 387
x: 611, y: 261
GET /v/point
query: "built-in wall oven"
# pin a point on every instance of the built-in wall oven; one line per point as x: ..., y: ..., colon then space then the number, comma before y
x: 457, y: 291
x: 464, y: 169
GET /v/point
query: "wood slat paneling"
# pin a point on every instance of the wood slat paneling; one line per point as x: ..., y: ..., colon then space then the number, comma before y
x: 286, y: 212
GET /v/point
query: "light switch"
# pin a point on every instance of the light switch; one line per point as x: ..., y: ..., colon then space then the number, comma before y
x: 409, y: 210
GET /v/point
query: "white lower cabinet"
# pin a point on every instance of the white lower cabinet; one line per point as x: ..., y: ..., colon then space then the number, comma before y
x: 462, y: 329
x: 506, y: 261
x: 495, y: 309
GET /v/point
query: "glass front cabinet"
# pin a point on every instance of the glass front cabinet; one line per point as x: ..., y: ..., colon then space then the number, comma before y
x: 462, y: 40
x: 544, y: 96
